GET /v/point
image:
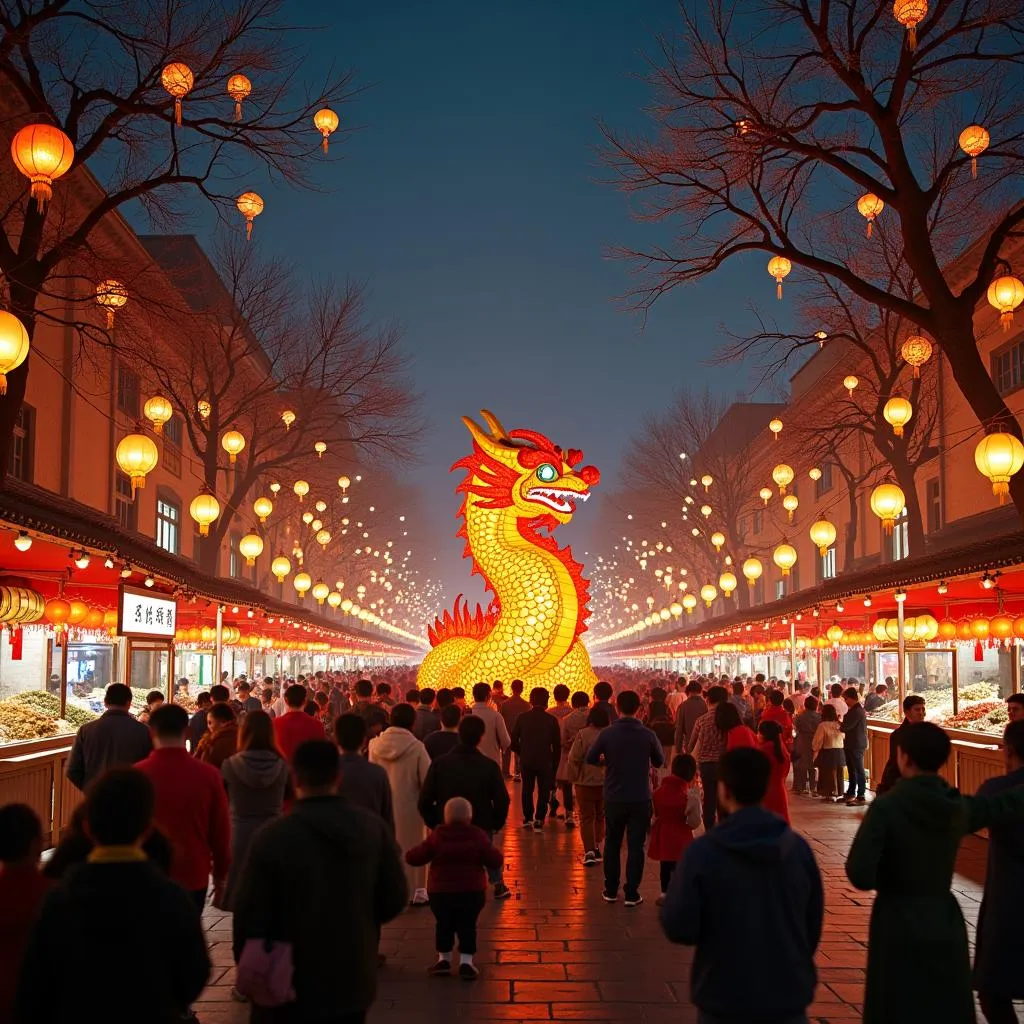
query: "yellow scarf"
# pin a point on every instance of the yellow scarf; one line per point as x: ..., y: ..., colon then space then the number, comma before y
x: 115, y: 854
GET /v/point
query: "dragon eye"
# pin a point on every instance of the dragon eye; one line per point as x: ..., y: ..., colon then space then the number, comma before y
x: 546, y: 473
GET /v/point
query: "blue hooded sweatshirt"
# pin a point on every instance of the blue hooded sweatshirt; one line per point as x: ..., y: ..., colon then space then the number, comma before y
x: 748, y: 895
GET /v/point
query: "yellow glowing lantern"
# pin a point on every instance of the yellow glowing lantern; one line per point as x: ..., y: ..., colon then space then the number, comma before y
x: 334, y: 599
x: 137, y: 456
x: 42, y: 153
x: 779, y: 267
x: 1005, y: 294
x: 239, y: 88
x: 346, y: 605
x: 783, y: 476
x: 301, y: 489
x: 320, y: 591
x: 880, y: 632
x: 752, y: 569
x: 823, y: 534
x: 676, y: 609
x: 869, y: 206
x: 320, y: 506
x: 664, y: 615
x: 250, y: 206
x: 1001, y: 627
x: 916, y: 351
x: 718, y: 539
x: 887, y: 502
x: 706, y: 510
x: 784, y: 556
x: 280, y: 567
x: 727, y: 581
x: 326, y: 121
x: 287, y: 418
x: 910, y: 14
x: 814, y: 473
x: 344, y: 483
x: 307, y: 517
x: 999, y: 456
x: 177, y: 80
x: 204, y: 510
x: 251, y: 547
x: 111, y: 295
x: 834, y: 633
x: 232, y: 442
x: 850, y: 382
x: 790, y: 503
x: 14, y: 346
x: 974, y: 141
x: 323, y: 538
x: 947, y: 629
x: 302, y: 582
x: 707, y: 480
x: 708, y: 593
x: 158, y: 410
x: 927, y: 627
x: 765, y: 494
x: 897, y: 412
x: 979, y: 627
x: 262, y: 507
x: 775, y: 426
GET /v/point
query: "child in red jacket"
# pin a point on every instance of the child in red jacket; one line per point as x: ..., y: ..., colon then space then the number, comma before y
x: 458, y: 853
x: 676, y: 815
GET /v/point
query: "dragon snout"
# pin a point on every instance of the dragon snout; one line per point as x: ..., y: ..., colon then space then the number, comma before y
x: 590, y: 475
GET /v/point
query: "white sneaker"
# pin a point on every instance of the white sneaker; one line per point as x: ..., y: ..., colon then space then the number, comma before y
x: 419, y: 898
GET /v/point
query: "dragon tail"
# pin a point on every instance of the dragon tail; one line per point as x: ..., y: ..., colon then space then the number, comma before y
x: 462, y: 623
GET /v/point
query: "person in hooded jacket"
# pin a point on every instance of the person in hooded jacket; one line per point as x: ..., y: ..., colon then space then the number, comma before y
x: 749, y: 885
x: 256, y: 778
x: 406, y: 762
x: 905, y: 849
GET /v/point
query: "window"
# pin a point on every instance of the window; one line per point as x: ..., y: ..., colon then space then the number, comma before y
x: 127, y: 391
x: 168, y: 523
x: 828, y: 565
x: 824, y: 485
x: 172, y: 445
x: 236, y: 562
x: 758, y: 518
x: 780, y: 589
x: 19, y: 463
x: 1008, y: 367
x: 901, y: 536
x: 125, y: 509
x: 933, y: 505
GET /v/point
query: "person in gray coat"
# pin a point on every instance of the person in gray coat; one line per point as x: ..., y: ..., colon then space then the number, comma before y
x: 115, y: 739
x: 256, y: 779
x: 805, y: 725
x: 363, y: 784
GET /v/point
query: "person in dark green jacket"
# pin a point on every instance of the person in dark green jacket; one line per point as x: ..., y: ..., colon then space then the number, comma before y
x: 905, y: 849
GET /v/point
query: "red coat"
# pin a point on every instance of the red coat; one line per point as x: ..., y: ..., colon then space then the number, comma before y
x: 740, y: 736
x: 192, y: 811
x: 21, y: 892
x: 677, y: 814
x: 292, y: 729
x: 457, y: 855
x: 782, y: 718
x: 776, y: 799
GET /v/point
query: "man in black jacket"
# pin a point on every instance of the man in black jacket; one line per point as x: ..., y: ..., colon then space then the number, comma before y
x: 324, y: 879
x: 474, y: 776
x: 364, y: 784
x: 115, y: 738
x: 116, y: 903
x: 854, y: 727
x: 537, y: 740
x: 913, y: 711
x: 510, y: 710
x: 694, y: 707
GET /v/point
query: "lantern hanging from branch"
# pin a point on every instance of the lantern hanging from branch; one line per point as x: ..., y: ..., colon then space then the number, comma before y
x: 727, y: 581
x: 158, y: 410
x: 870, y: 206
x: 301, y: 489
x: 111, y: 295
x: 974, y: 141
x: 204, y: 510
x: 320, y: 447
x: 708, y: 593
x: 280, y: 567
x: 137, y: 456
x: 887, y: 502
x: 42, y: 153
x: 344, y: 483
x: 233, y: 443
x: 779, y: 267
x: 203, y: 408
x: 897, y: 412
x: 765, y: 494
x: 910, y: 14
x: 250, y: 206
x: 1005, y: 294
x: 782, y: 474
x: 302, y: 582
x: 239, y: 88
x: 177, y: 80
x: 784, y: 556
x: 791, y: 503
x: 775, y: 426
x: 999, y: 456
x: 916, y: 351
x: 850, y: 382
x: 14, y: 346
x: 689, y: 603
x: 326, y: 121
x: 823, y: 534
x: 718, y: 539
x: 752, y: 569
x: 287, y: 418
x: 251, y: 547
x: 814, y: 473
x: 320, y: 591
x: 263, y: 507
x: 707, y: 480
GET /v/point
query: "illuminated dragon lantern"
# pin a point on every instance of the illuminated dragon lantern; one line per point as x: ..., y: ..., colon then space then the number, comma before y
x: 517, y: 484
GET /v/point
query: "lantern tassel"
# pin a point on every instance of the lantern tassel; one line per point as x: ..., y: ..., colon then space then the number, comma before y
x: 1001, y: 489
x: 3, y: 383
x: 778, y: 291
x: 974, y: 167
x: 110, y: 319
x: 325, y: 144
x: 177, y: 111
x: 917, y: 372
x: 248, y: 233
x: 238, y: 110
x: 41, y: 192
x: 898, y: 430
x: 1006, y: 319
x: 869, y: 228
x: 912, y: 37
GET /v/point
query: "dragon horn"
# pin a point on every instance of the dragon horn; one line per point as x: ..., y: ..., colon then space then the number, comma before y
x: 491, y: 445
x: 498, y: 432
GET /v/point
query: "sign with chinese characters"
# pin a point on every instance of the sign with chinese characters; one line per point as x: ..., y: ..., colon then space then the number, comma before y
x: 143, y: 614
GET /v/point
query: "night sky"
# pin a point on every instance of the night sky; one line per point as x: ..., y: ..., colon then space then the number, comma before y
x: 473, y: 203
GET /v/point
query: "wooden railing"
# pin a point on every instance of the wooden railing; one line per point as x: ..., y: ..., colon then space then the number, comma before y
x: 35, y: 773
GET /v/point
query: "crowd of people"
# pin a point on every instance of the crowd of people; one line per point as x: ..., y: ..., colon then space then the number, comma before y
x: 301, y: 803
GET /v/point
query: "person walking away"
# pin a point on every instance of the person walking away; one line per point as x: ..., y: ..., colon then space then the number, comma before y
x: 727, y: 721
x: 770, y: 744
x: 367, y: 708
x: 510, y: 711
x: 197, y: 724
x: 690, y: 711
x: 776, y: 712
x: 560, y: 787
x: 748, y: 893
x: 676, y: 697
x: 914, y: 710
x: 445, y: 741
x: 854, y: 728
x: 659, y: 721
x: 743, y: 706
x: 22, y: 888
x: 246, y: 698
x: 295, y: 727
x: 676, y: 815
x: 427, y: 719
x: 628, y: 750
x: 468, y: 773
x: 805, y: 725
x: 190, y: 808
x: 603, y: 695
x: 707, y: 745
x: 905, y: 849
x: 999, y: 945
x: 498, y: 696
x: 537, y: 740
x: 827, y: 747
x: 588, y: 781
x: 362, y: 784
x: 496, y: 739
x: 569, y: 726
x: 115, y: 738
x: 323, y: 880
x: 116, y: 905
x: 220, y: 741
x: 256, y: 778
x: 267, y: 702
x: 406, y: 761
x: 458, y: 853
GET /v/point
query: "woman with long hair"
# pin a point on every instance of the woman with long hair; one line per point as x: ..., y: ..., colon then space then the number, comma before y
x: 728, y: 721
x: 771, y: 745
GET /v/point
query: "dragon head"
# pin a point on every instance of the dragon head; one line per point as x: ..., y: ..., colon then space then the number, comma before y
x: 524, y: 471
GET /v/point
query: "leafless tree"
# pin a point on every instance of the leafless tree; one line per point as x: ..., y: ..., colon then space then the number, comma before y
x: 772, y: 120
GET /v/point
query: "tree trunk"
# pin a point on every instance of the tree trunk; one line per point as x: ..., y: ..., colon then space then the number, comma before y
x: 850, y: 541
x: 905, y: 477
x: 23, y: 294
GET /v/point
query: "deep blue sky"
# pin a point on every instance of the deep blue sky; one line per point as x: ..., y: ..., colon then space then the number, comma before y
x: 472, y: 202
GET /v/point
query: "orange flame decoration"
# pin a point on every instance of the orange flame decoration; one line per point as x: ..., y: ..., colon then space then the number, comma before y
x: 462, y: 623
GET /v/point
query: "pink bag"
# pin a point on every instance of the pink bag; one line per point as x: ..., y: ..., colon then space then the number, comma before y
x: 264, y: 974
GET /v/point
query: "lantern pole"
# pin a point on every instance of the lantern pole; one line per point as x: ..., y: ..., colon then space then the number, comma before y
x: 821, y: 669
x: 219, y: 649
x: 901, y: 650
x: 792, y: 656
x: 64, y: 675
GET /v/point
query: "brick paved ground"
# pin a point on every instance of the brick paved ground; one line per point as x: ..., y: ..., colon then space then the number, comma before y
x: 557, y: 952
